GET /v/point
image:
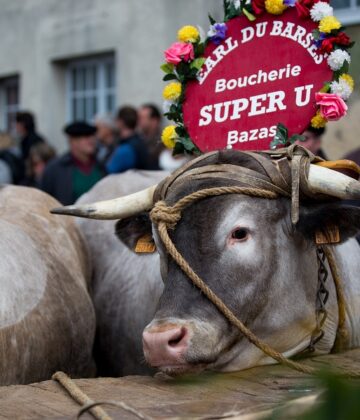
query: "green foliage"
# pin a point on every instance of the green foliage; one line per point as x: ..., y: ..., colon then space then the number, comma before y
x: 230, y: 10
x: 197, y: 63
x: 316, y: 34
x: 211, y: 19
x: 199, y: 49
x: 296, y: 137
x: 167, y: 68
x: 169, y: 77
x: 340, y: 401
x: 282, y: 138
x: 248, y: 14
x: 325, y: 88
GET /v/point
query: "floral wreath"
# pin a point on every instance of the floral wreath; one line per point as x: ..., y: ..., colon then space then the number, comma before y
x: 185, y: 58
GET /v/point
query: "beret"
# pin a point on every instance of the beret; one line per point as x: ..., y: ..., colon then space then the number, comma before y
x: 79, y: 129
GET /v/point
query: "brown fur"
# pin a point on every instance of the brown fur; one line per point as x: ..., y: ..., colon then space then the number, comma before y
x: 57, y: 334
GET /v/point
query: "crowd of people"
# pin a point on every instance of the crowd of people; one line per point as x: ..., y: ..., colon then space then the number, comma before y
x: 108, y: 146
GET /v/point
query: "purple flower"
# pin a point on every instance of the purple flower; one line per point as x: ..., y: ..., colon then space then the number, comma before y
x: 290, y: 3
x: 217, y: 32
x: 319, y: 41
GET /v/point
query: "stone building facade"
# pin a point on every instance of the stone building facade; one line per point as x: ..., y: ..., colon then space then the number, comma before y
x: 71, y: 59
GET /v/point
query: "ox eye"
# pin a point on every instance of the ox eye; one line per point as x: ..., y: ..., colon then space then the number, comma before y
x: 240, y: 234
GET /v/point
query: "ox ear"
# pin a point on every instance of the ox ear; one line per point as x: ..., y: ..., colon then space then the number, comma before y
x: 323, y: 218
x: 133, y: 229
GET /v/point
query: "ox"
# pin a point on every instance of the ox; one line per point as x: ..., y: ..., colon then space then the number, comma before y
x: 253, y: 257
x: 47, y: 321
x: 125, y: 286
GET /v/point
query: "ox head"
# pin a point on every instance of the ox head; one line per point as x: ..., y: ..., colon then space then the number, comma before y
x: 250, y: 254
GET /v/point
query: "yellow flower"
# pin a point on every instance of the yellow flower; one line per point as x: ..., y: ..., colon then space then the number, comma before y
x: 275, y: 7
x: 168, y: 136
x: 348, y: 79
x: 328, y: 24
x: 318, y: 121
x: 172, y: 91
x: 188, y: 34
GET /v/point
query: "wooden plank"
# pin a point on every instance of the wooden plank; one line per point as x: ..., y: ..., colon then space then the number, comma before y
x: 206, y: 395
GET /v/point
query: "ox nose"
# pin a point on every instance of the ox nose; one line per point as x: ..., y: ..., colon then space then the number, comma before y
x: 165, y: 345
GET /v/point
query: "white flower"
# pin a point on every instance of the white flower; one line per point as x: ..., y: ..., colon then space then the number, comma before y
x: 166, y: 106
x: 336, y: 59
x: 236, y: 3
x: 321, y: 10
x: 341, y: 88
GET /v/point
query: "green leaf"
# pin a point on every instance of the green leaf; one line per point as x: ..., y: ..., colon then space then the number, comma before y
x: 211, y: 19
x: 167, y: 68
x: 296, y: 137
x: 281, y: 136
x: 343, y: 69
x: 178, y: 149
x: 199, y: 49
x: 249, y: 15
x: 325, y: 88
x: 181, y: 131
x: 282, y: 132
x: 168, y: 77
x: 316, y: 34
x: 198, y: 63
x: 188, y: 145
x: 182, y: 68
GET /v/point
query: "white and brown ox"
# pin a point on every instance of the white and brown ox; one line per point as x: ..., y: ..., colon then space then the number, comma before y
x: 252, y: 256
x: 47, y: 321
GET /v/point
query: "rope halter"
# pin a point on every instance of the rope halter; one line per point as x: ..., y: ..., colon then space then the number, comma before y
x: 284, y: 174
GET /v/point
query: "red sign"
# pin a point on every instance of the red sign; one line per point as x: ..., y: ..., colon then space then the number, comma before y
x: 264, y: 73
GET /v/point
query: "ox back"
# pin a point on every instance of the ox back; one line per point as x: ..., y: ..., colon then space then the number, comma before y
x: 126, y: 286
x: 47, y: 320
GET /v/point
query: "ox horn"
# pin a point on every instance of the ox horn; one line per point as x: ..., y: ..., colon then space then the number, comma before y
x: 320, y: 179
x: 118, y: 208
x: 327, y: 181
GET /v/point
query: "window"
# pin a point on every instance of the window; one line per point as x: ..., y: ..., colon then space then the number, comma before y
x: 9, y: 90
x: 91, y: 88
x: 347, y: 11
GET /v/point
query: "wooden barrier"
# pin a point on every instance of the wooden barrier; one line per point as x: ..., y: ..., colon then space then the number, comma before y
x: 198, y: 397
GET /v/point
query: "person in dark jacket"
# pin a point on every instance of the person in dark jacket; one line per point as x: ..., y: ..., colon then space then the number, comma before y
x: 11, y: 165
x: 74, y: 173
x: 150, y: 121
x: 40, y: 156
x: 131, y: 151
x: 26, y: 129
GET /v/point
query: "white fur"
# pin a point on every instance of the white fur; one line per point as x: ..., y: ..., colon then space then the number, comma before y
x: 21, y: 290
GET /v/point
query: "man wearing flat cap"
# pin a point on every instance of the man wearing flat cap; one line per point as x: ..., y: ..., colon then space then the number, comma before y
x: 75, y: 172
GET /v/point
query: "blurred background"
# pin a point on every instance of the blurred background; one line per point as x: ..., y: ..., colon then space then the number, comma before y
x: 72, y: 59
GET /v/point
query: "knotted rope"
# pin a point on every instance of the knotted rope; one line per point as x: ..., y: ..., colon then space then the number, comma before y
x: 277, y: 182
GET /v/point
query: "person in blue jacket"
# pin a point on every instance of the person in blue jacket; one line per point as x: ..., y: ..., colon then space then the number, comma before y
x: 131, y: 151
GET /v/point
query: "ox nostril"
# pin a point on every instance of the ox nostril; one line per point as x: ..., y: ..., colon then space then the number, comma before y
x: 165, y: 345
x: 178, y: 337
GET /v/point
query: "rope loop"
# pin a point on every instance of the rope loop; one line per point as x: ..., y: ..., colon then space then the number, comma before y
x: 171, y: 215
x: 161, y: 212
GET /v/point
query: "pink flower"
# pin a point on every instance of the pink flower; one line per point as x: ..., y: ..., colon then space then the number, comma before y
x: 179, y: 51
x: 332, y: 107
